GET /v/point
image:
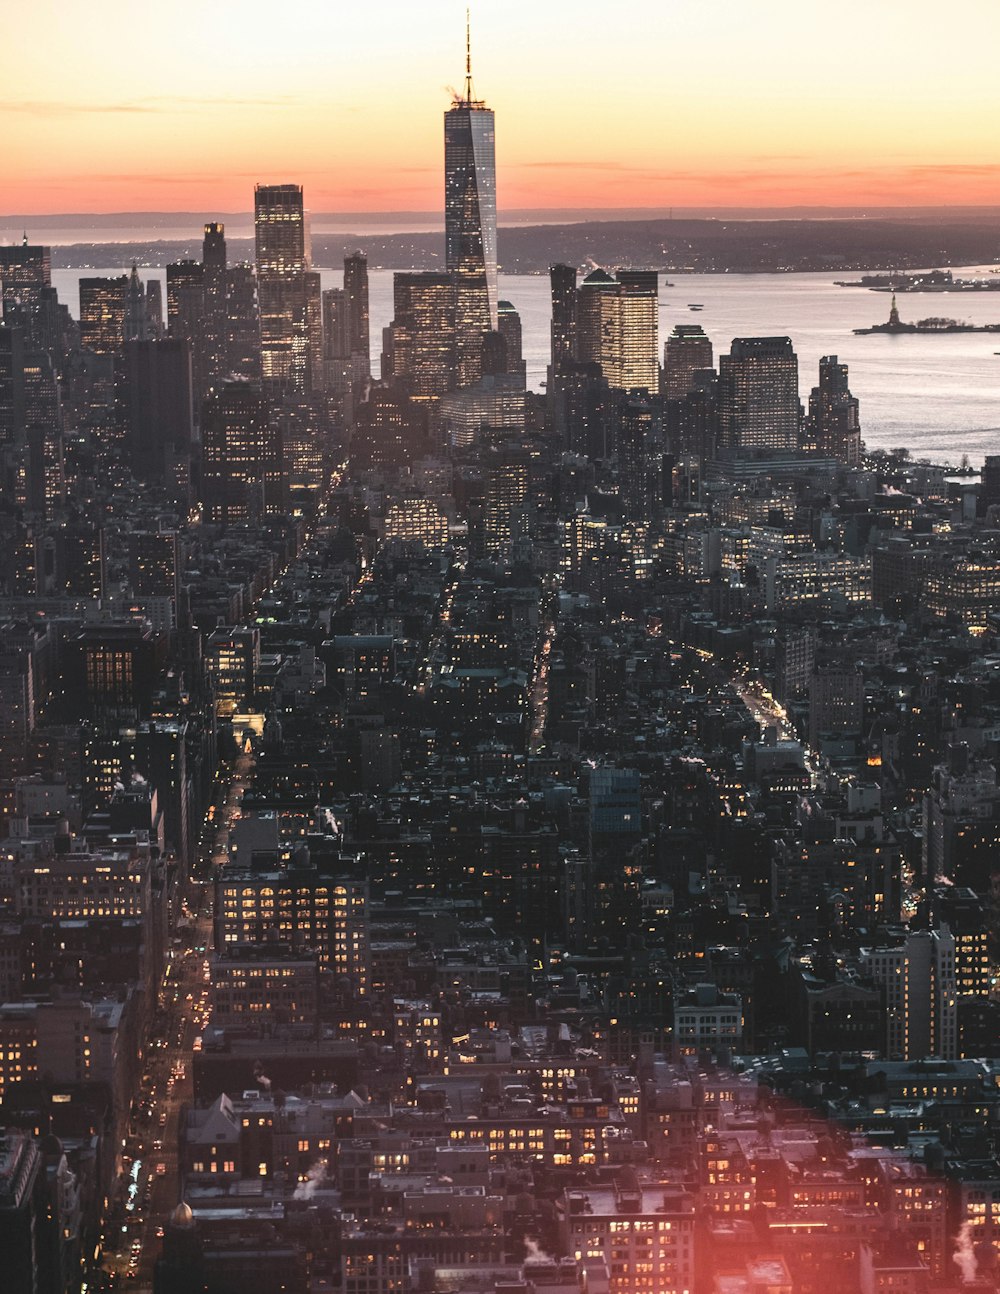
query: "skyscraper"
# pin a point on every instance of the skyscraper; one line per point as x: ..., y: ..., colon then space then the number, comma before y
x: 102, y: 313
x: 336, y: 344
x: 158, y: 407
x: 510, y: 329
x: 563, y: 281
x: 759, y: 395
x: 617, y: 327
x: 833, y: 414
x: 423, y: 334
x: 688, y: 350
x: 43, y: 419
x: 185, y: 298
x: 505, y: 512
x: 26, y: 287
x: 213, y: 260
x: 638, y: 462
x: 11, y: 385
x: 356, y: 293
x: 282, y: 288
x: 470, y: 217
x: 242, y: 323
x: 638, y: 331
x: 138, y: 325
x: 242, y: 459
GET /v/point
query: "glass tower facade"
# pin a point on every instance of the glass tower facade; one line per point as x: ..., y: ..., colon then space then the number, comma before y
x: 282, y: 241
x: 470, y: 213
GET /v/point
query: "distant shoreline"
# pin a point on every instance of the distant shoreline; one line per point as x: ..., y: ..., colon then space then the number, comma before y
x: 515, y: 215
x: 673, y: 246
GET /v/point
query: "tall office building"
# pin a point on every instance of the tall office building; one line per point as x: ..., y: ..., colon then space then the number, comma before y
x: 159, y: 411
x: 242, y: 324
x: 833, y: 414
x: 11, y: 385
x: 305, y: 447
x: 582, y: 407
x: 639, y: 331
x: 242, y: 467
x: 186, y: 300
x: 356, y: 294
x: 917, y: 974
x: 390, y: 432
x: 563, y: 282
x: 470, y: 215
x: 283, y: 287
x: 44, y: 475
x: 143, y: 311
x: 505, y: 510
x: 595, y: 321
x: 214, y: 284
x: 102, y: 313
x: 617, y: 327
x: 639, y: 458
x: 422, y: 353
x: 23, y: 267
x: 687, y: 351
x: 338, y: 369
x: 509, y: 327
x: 26, y: 288
x: 759, y: 395
x: 691, y: 423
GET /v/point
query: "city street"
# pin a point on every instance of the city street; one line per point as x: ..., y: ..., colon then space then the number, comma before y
x: 167, y: 1080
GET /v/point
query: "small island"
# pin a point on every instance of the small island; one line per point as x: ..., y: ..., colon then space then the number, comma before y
x: 933, y: 325
x: 929, y: 281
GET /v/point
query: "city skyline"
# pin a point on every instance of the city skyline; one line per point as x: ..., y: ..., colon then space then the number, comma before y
x: 499, y: 781
x: 780, y: 108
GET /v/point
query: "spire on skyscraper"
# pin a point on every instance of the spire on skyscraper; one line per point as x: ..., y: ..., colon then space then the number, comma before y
x: 470, y: 218
x: 467, y: 99
x: 468, y: 58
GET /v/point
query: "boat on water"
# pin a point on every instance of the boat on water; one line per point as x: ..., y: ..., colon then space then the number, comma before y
x: 695, y: 305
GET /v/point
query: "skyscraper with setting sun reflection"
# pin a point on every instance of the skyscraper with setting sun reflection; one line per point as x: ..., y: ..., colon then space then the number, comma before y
x: 470, y: 215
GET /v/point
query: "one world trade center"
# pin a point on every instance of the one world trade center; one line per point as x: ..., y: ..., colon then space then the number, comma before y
x: 470, y: 215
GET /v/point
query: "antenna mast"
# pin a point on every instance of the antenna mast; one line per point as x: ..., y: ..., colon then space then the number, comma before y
x: 468, y: 60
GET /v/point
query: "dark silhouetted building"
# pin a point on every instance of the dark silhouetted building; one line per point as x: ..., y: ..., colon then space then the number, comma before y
x: 687, y: 351
x: 356, y: 293
x: 159, y: 412
x: 242, y: 460
x: 833, y: 414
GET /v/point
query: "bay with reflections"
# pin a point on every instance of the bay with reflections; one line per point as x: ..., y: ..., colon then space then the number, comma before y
x: 937, y: 395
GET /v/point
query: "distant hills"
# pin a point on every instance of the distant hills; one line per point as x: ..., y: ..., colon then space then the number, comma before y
x: 955, y: 236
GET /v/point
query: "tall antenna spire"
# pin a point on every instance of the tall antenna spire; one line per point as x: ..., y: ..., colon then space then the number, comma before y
x: 468, y: 59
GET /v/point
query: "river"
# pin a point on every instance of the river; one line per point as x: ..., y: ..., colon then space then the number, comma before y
x: 937, y: 395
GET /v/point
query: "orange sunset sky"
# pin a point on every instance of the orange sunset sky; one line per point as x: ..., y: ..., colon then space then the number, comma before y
x: 111, y: 105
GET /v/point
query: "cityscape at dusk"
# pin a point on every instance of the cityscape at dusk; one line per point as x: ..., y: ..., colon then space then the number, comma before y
x: 500, y: 649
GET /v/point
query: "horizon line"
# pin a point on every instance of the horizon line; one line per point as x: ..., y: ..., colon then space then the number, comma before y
x: 437, y: 214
